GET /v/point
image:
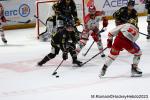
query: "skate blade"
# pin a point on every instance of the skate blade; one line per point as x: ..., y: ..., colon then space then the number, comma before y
x: 75, y: 65
x: 136, y: 75
x: 11, y: 45
x: 101, y: 75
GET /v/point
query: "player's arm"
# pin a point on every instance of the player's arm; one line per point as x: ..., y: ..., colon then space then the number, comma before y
x: 113, y: 33
x: 135, y: 16
x: 49, y: 25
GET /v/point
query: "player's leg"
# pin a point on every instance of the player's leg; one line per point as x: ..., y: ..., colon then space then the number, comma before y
x: 111, y: 57
x: 80, y: 45
x: 83, y: 41
x: 135, y: 49
x: 100, y: 45
x: 73, y: 54
x: 114, y: 52
x: 2, y: 34
x: 54, y: 52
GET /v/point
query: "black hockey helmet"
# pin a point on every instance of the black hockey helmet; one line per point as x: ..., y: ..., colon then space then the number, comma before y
x: 55, y: 7
x: 131, y: 2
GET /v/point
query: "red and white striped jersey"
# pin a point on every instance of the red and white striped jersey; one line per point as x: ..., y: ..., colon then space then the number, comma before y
x: 128, y: 30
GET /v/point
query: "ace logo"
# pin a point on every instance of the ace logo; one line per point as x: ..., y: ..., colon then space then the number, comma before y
x: 115, y: 3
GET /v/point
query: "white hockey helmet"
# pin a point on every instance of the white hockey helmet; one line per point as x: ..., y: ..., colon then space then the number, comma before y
x: 92, y: 9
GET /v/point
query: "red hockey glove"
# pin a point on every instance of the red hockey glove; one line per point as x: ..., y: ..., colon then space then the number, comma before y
x: 109, y: 43
x: 105, y: 22
x: 95, y: 37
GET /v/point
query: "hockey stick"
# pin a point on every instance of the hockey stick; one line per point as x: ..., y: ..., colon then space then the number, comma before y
x: 144, y: 34
x: 55, y: 71
x: 102, y: 30
x: 94, y: 56
x: 88, y: 49
x: 28, y: 21
x: 39, y: 20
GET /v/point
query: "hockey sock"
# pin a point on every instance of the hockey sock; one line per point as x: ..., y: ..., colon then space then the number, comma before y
x: 110, y: 59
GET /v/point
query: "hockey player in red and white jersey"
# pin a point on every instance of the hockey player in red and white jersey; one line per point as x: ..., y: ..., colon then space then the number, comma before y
x: 91, y: 27
x: 2, y: 21
x: 125, y: 38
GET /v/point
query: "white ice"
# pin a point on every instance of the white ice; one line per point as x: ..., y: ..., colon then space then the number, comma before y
x: 21, y: 79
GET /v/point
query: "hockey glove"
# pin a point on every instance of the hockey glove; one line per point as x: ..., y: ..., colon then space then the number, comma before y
x: 105, y: 22
x: 77, y: 22
x: 65, y: 55
x: 109, y: 43
x: 102, y: 30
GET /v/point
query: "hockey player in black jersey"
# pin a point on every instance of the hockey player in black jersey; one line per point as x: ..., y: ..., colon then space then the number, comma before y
x: 124, y: 14
x: 63, y: 38
x: 67, y: 20
x: 2, y: 20
x: 147, y: 6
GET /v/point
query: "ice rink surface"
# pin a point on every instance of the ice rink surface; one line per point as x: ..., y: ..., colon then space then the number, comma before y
x: 21, y: 79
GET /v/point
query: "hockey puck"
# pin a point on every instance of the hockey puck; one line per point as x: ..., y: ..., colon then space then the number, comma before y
x: 57, y: 76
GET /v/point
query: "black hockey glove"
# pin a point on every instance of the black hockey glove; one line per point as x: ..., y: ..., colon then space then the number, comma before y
x: 65, y: 55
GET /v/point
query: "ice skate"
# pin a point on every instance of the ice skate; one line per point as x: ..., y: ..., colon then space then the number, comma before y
x: 77, y: 62
x: 4, y: 40
x: 103, y: 71
x: 43, y: 61
x: 39, y: 64
x: 136, y: 72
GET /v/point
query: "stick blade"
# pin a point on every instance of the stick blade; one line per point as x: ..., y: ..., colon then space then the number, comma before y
x: 54, y: 73
x: 28, y: 21
x: 83, y: 54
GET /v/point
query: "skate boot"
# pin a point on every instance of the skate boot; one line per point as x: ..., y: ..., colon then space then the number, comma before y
x: 135, y: 72
x: 103, y: 71
x: 77, y: 62
x: 40, y: 63
x: 43, y: 61
x: 4, y: 40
